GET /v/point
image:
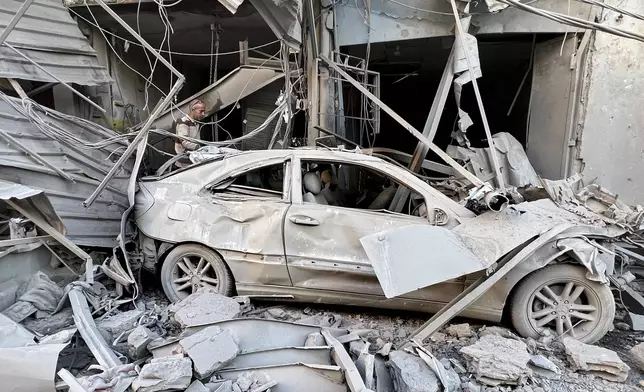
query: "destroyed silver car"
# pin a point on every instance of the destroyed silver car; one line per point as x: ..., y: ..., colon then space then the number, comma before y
x: 314, y: 225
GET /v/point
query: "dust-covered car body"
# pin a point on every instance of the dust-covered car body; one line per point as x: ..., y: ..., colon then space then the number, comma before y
x: 286, y: 240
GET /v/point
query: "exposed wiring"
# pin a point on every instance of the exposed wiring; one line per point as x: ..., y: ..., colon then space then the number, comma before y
x: 175, y: 53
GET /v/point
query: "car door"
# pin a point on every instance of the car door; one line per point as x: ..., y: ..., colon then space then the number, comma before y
x: 242, y: 217
x: 323, y: 249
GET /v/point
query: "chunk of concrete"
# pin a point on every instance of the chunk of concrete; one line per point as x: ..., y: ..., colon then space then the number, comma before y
x: 543, y: 367
x: 197, y: 386
x: 120, y: 322
x: 598, y: 361
x: 315, y: 339
x: 410, y: 373
x: 460, y: 330
x: 637, y: 355
x: 164, y: 374
x: 204, y: 307
x: 495, y: 360
x: 138, y: 341
x: 383, y: 378
x: 220, y: 386
x: 210, y: 349
x: 494, y: 330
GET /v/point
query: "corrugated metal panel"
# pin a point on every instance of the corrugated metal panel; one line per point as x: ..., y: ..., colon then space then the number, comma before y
x: 48, y: 35
x: 95, y: 226
x: 258, y: 107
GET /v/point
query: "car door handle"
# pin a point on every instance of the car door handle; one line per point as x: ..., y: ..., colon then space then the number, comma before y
x: 303, y: 220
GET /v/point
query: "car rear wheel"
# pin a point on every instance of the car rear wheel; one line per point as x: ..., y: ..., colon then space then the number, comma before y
x: 190, y: 267
x: 560, y: 298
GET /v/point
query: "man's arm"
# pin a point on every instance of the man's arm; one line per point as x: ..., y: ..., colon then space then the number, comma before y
x: 182, y: 130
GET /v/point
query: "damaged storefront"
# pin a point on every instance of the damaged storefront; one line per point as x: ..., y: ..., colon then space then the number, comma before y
x: 351, y: 163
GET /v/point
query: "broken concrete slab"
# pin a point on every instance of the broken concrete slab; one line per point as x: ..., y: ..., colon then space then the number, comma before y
x: 598, y: 361
x: 197, y: 386
x: 224, y: 386
x: 410, y: 373
x: 544, y: 367
x: 120, y: 322
x: 637, y: 355
x: 383, y: 378
x: 164, y: 374
x: 365, y: 365
x: 495, y: 360
x: 204, y: 307
x: 138, y: 341
x: 494, y: 330
x: 210, y: 349
x: 460, y: 330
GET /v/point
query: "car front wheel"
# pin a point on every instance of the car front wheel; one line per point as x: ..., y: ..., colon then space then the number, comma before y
x: 559, y: 297
x: 190, y: 267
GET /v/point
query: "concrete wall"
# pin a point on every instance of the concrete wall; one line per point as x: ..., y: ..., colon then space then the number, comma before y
x: 391, y: 21
x: 612, y: 141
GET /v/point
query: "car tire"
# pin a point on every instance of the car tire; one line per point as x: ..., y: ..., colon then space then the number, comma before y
x: 559, y: 296
x: 190, y: 267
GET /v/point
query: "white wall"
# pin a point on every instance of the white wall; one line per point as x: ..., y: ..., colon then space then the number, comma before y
x: 612, y: 140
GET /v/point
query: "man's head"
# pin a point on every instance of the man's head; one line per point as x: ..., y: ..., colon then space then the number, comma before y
x: 197, y: 109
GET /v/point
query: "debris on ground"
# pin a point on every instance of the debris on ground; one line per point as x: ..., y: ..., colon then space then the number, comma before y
x: 595, y: 360
x: 495, y: 360
x: 204, y: 307
x: 163, y: 374
x: 210, y: 349
x: 409, y: 373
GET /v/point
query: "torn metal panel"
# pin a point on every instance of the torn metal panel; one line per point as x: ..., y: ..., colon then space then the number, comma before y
x: 87, y: 328
x: 291, y: 378
x: 516, y: 168
x: 33, y: 200
x: 587, y: 253
x: 31, y: 368
x: 231, y: 5
x: 342, y: 358
x: 13, y: 334
x: 283, y: 356
x: 95, y: 226
x: 48, y: 34
x: 396, y: 254
x: 261, y: 334
x: 236, y: 85
x: 283, y: 17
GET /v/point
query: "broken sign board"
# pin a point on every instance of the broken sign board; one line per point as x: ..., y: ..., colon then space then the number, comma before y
x: 398, y: 255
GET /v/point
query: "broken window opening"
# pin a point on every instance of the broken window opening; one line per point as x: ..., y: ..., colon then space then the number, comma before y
x: 266, y: 182
x: 355, y: 186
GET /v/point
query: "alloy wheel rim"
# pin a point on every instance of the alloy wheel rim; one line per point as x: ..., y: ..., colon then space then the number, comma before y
x: 193, y: 272
x: 566, y: 307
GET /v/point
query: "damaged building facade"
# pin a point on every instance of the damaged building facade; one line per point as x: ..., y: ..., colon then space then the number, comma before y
x: 551, y: 86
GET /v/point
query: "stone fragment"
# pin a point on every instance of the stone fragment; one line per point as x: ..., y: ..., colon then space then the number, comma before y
x: 495, y: 360
x: 543, y: 367
x: 494, y: 330
x: 358, y: 347
x: 226, y: 386
x: 459, y: 330
x: 315, y: 339
x: 277, y: 313
x: 438, y: 337
x: 197, y: 386
x: 410, y: 373
x: 365, y: 365
x: 120, y: 322
x: 210, y: 349
x: 138, y: 341
x: 321, y: 320
x: 164, y: 374
x: 386, y: 349
x: 471, y: 387
x: 598, y: 361
x: 637, y: 355
x: 204, y: 307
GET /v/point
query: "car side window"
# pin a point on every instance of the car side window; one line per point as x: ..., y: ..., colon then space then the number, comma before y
x: 355, y: 186
x: 265, y: 181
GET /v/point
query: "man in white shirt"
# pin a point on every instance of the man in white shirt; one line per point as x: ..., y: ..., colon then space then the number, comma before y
x: 187, y: 126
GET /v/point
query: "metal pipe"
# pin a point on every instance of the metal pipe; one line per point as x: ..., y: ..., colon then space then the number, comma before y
x: 139, y: 38
x: 442, y: 154
x: 479, y: 100
x: 14, y: 21
x: 130, y: 149
x: 40, y: 67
